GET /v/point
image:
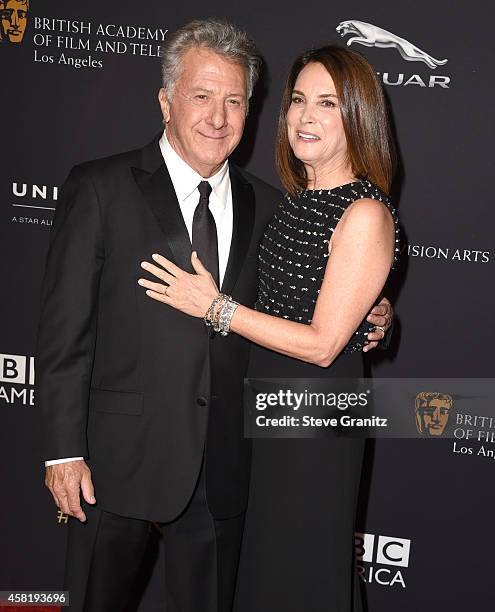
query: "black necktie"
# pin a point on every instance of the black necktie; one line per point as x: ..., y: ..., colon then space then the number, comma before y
x: 204, y: 232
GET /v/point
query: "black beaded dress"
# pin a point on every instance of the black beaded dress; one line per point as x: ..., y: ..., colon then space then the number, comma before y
x: 298, y: 550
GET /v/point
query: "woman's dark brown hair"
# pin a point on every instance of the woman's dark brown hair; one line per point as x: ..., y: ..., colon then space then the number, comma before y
x: 370, y: 149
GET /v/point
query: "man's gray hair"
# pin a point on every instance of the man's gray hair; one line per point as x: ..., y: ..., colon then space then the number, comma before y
x: 218, y: 36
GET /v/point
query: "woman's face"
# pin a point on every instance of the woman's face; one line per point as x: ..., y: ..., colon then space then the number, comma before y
x: 314, y: 122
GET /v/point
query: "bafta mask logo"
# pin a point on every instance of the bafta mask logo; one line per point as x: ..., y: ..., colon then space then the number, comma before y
x: 432, y: 411
x: 13, y: 23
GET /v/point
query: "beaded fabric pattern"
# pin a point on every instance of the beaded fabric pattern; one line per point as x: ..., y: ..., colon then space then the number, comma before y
x: 294, y: 251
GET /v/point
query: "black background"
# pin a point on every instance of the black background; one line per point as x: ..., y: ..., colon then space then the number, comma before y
x: 54, y: 116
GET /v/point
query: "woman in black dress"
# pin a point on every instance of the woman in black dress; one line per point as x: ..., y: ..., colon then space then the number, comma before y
x: 323, y: 262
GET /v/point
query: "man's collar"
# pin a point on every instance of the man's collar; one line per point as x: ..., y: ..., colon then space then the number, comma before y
x: 185, y: 179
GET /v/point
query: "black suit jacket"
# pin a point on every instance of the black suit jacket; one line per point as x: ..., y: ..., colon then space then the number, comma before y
x: 135, y: 386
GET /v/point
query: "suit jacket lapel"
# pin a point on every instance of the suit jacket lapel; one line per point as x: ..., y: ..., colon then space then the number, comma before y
x: 156, y: 186
x: 243, y: 203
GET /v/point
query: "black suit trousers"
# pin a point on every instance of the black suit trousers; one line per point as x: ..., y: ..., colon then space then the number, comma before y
x: 105, y: 554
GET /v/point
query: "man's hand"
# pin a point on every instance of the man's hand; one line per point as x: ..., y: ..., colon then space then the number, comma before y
x: 381, y: 315
x: 65, y: 480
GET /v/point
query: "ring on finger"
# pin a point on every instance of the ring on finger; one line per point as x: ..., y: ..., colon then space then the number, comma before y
x: 382, y: 328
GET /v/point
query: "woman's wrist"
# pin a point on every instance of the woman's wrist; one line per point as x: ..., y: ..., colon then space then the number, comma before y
x: 210, y: 313
x: 220, y: 312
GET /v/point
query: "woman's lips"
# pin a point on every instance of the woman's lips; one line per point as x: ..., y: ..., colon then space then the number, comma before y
x: 307, y: 136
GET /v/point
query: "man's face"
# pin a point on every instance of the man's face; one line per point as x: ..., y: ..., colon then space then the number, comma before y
x: 14, y: 20
x: 205, y: 117
x: 435, y: 416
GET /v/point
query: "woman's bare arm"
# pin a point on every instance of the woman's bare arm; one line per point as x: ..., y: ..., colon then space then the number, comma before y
x: 361, y: 253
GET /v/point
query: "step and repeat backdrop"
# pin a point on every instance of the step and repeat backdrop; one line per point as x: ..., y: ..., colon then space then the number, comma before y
x: 80, y: 80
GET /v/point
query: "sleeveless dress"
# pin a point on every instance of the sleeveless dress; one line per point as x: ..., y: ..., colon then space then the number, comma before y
x: 298, y: 549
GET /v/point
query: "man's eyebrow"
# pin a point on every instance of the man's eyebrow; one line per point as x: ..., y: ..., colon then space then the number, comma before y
x: 202, y: 89
x: 210, y: 91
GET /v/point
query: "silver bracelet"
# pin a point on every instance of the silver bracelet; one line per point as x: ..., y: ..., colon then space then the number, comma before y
x: 226, y: 314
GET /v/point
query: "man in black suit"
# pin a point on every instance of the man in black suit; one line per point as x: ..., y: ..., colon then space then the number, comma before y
x: 140, y: 403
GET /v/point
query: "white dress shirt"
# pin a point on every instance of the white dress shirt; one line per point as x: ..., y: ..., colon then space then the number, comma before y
x: 185, y: 181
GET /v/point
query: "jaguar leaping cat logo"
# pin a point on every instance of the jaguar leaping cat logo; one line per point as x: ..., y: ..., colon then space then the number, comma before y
x: 373, y: 36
